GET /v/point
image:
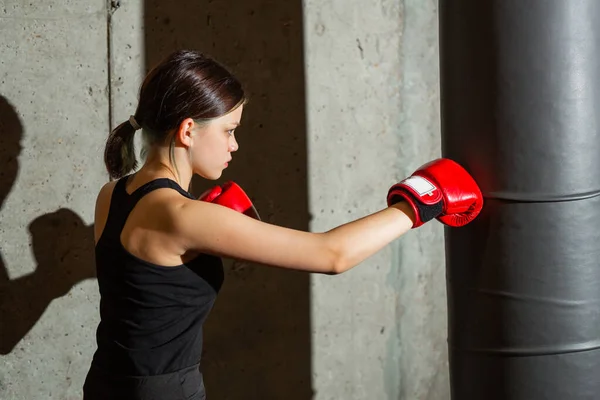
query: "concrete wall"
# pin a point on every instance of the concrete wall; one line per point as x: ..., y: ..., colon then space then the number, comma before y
x: 379, y: 330
x: 344, y: 103
x: 53, y: 108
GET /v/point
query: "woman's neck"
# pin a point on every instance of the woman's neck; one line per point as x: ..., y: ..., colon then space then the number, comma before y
x: 158, y: 165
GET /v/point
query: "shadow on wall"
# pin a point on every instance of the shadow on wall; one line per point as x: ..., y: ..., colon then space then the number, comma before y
x: 257, y: 339
x: 61, y: 243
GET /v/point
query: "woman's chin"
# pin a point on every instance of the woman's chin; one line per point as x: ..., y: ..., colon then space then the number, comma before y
x: 211, y: 176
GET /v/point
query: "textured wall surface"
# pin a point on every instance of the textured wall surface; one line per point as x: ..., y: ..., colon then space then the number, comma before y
x: 344, y: 102
x: 379, y: 331
x: 53, y: 119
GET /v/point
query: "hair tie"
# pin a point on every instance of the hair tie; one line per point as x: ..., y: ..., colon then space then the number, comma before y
x: 134, y: 123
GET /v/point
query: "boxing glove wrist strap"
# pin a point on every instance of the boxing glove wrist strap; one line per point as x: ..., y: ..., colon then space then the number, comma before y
x: 424, y: 198
x: 424, y: 212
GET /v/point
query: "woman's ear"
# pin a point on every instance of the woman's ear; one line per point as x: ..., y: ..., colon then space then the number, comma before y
x: 184, y: 132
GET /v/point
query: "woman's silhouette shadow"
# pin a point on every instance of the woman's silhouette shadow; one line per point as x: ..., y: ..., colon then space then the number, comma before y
x: 61, y: 241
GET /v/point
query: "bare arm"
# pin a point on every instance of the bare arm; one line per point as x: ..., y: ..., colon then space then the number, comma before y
x: 356, y: 241
x: 214, y: 229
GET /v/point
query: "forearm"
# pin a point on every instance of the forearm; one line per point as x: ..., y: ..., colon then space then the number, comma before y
x: 357, y: 240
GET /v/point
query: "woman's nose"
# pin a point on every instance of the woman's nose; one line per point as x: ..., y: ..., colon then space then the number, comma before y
x: 233, y: 145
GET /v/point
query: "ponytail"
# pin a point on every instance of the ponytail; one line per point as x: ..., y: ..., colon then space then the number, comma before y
x: 119, y: 153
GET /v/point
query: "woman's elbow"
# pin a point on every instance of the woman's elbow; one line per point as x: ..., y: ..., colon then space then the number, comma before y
x: 334, y: 258
x: 338, y: 264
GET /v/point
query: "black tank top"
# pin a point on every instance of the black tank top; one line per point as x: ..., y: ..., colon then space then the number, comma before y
x: 151, y: 316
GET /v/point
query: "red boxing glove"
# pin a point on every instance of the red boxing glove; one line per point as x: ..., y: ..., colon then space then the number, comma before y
x: 440, y: 189
x: 232, y: 196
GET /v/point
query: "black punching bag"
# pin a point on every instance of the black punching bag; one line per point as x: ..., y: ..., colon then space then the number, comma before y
x: 520, y: 104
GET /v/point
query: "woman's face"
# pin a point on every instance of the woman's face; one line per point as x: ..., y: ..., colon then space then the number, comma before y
x: 214, y: 143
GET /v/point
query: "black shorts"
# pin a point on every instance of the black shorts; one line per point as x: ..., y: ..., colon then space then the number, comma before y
x: 185, y: 384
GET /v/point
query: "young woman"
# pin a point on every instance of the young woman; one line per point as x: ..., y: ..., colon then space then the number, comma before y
x: 158, y: 249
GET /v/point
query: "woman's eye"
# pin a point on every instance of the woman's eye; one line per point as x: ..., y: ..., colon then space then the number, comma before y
x: 230, y: 132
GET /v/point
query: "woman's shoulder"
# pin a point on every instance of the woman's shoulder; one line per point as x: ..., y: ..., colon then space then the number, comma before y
x: 104, y: 195
x: 107, y: 189
x: 102, y: 206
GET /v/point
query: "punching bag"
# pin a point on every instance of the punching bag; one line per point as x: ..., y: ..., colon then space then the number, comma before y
x: 520, y: 106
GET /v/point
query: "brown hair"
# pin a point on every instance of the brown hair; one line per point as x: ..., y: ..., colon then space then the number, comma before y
x: 186, y: 84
